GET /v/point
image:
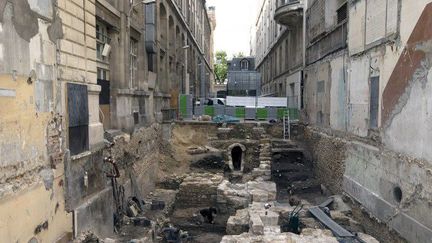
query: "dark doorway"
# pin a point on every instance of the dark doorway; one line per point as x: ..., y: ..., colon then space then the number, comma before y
x: 236, y: 155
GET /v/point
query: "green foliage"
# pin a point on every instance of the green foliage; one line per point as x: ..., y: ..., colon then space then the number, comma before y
x: 239, y: 55
x: 221, y: 67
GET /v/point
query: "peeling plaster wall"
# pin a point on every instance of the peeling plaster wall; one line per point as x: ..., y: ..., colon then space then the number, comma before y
x: 31, y: 127
x: 391, y: 40
x: 415, y: 139
x: 338, y: 95
x: 400, y: 156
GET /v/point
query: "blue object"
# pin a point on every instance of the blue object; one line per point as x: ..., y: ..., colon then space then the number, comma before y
x: 225, y: 119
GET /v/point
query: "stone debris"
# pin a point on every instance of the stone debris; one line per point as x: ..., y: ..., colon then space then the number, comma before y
x: 309, y: 236
x: 367, y: 238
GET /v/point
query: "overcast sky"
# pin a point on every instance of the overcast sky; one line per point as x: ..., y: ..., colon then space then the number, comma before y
x: 234, y: 21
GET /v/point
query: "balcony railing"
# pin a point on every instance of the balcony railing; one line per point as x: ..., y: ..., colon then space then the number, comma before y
x: 281, y: 3
x: 289, y: 12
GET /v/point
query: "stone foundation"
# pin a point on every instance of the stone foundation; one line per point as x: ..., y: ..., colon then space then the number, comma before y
x: 392, y: 187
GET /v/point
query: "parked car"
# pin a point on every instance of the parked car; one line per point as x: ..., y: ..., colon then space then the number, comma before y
x: 212, y: 101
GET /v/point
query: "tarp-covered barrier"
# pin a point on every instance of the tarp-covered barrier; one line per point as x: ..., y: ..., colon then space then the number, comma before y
x: 185, y: 106
x: 209, y: 110
x: 261, y: 114
x: 240, y: 112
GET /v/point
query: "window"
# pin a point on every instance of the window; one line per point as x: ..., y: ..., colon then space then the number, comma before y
x: 374, y: 102
x: 78, y: 113
x: 244, y: 65
x: 102, y: 74
x: 150, y: 62
x: 102, y: 39
x: 133, y: 61
x: 342, y: 13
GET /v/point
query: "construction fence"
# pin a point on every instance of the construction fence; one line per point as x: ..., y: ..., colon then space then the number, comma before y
x: 243, y: 108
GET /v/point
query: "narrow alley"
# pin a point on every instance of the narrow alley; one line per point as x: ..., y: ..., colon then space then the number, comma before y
x: 215, y: 121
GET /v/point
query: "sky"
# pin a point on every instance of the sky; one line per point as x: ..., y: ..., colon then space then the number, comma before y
x: 234, y: 20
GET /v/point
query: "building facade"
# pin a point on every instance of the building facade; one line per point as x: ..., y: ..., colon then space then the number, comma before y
x: 365, y: 75
x: 278, y: 51
x: 243, y: 80
x: 212, y: 18
x: 72, y: 72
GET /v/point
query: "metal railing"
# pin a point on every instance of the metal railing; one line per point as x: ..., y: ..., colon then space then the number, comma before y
x: 281, y: 3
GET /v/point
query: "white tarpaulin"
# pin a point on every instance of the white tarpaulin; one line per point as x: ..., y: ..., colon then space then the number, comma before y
x: 240, y: 101
x: 253, y: 101
x: 272, y: 102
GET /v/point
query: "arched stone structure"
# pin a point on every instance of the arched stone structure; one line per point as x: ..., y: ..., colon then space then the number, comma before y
x: 236, y: 155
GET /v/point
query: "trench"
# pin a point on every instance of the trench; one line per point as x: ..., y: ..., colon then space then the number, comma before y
x: 211, y: 183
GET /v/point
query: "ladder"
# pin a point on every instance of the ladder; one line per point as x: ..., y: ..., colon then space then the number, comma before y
x: 286, y: 126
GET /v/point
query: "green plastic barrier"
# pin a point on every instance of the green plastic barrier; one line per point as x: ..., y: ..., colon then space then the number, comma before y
x: 294, y: 114
x: 240, y: 112
x: 209, y: 110
x: 183, y: 106
x: 281, y: 112
x: 261, y: 114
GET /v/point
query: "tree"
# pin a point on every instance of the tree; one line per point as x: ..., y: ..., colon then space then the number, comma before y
x: 221, y: 66
x: 239, y: 55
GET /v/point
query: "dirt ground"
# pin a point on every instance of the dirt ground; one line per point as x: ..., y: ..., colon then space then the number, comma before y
x: 174, y: 158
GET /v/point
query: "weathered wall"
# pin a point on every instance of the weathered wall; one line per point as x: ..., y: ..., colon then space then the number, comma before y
x: 327, y: 153
x: 372, y: 174
x: 31, y: 126
x: 388, y: 40
x: 406, y: 94
x: 25, y: 211
x: 358, y: 106
x: 317, y: 92
x: 137, y: 157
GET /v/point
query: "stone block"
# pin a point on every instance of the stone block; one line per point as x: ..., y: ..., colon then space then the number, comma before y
x: 256, y: 226
x: 96, y: 215
x: 272, y: 230
x: 271, y: 219
x: 239, y: 223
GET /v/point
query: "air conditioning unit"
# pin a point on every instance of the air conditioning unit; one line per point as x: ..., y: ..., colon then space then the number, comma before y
x: 106, y: 50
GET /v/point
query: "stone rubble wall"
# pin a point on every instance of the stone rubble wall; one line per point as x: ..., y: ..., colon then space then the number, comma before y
x: 198, y: 190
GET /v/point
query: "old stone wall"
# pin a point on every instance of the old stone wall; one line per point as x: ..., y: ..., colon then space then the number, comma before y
x: 137, y: 157
x: 223, y: 138
x: 392, y: 187
x: 327, y: 152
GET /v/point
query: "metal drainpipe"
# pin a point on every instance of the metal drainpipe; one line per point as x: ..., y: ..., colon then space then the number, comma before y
x: 300, y: 98
x: 305, y: 6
